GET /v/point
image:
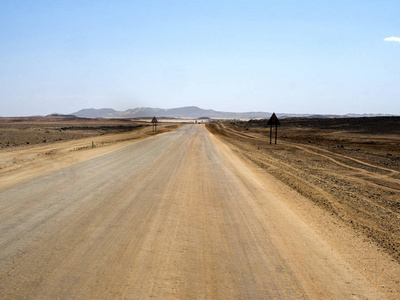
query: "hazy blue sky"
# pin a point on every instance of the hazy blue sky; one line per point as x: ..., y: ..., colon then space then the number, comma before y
x: 285, y: 56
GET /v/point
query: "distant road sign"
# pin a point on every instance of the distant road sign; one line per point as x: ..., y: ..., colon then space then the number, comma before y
x: 273, y: 120
x: 154, y: 121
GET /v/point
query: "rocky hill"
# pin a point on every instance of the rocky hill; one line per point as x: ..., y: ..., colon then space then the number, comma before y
x: 181, y: 112
x: 196, y: 112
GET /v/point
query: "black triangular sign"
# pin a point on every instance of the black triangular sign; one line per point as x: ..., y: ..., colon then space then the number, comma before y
x: 273, y: 120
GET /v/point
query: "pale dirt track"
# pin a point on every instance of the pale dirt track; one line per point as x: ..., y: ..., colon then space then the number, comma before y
x: 173, y: 216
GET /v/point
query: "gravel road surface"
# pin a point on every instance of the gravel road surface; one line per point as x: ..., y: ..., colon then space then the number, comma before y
x: 177, y: 215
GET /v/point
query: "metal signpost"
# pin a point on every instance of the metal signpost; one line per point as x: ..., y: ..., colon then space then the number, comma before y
x: 154, y: 121
x: 273, y: 121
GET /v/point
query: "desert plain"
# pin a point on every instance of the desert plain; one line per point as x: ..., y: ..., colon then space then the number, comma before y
x: 110, y: 209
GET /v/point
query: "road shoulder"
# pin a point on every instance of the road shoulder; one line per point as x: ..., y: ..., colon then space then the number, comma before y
x: 359, y: 254
x: 20, y: 165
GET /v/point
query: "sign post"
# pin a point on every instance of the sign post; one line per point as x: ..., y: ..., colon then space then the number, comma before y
x: 154, y: 121
x: 273, y: 121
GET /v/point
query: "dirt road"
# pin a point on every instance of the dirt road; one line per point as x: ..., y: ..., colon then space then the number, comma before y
x: 172, y: 216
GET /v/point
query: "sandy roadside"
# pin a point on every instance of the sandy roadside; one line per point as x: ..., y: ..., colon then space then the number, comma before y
x: 370, y: 260
x: 18, y: 165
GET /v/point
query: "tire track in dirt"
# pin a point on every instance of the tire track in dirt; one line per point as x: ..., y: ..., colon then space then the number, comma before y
x: 335, y: 156
x: 367, y: 201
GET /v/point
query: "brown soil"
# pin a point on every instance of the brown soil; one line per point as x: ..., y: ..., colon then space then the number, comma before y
x: 45, y: 141
x: 18, y: 132
x: 172, y: 216
x: 185, y: 214
x: 348, y: 167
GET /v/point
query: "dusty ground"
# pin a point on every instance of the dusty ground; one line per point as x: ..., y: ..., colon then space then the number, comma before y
x: 53, y: 140
x: 349, y: 167
x: 176, y: 215
x: 28, y: 131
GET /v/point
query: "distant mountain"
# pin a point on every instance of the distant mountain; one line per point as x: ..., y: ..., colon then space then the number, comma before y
x: 181, y: 112
x: 96, y: 113
x: 196, y: 112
